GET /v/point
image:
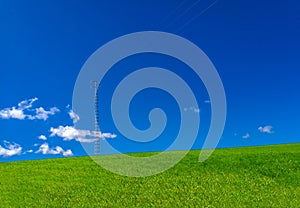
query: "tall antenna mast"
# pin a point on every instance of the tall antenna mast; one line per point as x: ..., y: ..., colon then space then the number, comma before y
x: 96, y: 127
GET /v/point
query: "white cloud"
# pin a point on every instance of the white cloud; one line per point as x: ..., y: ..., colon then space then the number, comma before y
x: 26, y: 104
x: 196, y: 110
x: 108, y: 136
x: 42, y: 137
x: 71, y: 133
x: 246, y: 136
x: 74, y: 116
x: 42, y: 114
x: 266, y: 129
x: 10, y: 149
x: 24, y: 107
x: 192, y: 108
x: 46, y: 150
x: 12, y: 113
x: 68, y: 153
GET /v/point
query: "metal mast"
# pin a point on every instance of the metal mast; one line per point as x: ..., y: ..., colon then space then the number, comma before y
x: 96, y: 127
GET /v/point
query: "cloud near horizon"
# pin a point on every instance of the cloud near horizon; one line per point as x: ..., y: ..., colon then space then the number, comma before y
x: 46, y: 150
x: 70, y: 133
x: 246, y: 136
x: 10, y: 149
x: 24, y: 109
x: 266, y: 129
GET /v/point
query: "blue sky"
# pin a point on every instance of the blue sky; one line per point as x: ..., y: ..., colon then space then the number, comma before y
x: 253, y: 44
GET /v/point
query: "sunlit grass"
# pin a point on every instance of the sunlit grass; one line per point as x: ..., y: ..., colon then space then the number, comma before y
x: 266, y: 176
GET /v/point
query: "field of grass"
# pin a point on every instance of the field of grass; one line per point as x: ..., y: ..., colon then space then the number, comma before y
x: 267, y: 176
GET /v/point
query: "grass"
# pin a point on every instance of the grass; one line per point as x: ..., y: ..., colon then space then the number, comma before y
x: 267, y: 176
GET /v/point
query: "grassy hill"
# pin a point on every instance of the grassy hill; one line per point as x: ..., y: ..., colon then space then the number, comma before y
x: 267, y: 176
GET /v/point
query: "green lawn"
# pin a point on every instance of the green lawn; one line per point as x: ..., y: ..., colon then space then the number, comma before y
x: 267, y: 176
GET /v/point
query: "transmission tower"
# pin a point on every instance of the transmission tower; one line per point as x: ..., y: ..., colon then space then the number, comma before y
x: 96, y: 122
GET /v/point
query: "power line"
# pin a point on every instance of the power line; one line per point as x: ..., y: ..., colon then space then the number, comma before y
x: 172, y: 12
x: 177, y: 18
x: 195, y: 17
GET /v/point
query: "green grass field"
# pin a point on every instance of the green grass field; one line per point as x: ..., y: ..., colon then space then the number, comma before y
x: 267, y: 176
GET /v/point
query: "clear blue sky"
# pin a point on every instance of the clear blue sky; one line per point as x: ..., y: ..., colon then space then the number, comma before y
x: 254, y: 45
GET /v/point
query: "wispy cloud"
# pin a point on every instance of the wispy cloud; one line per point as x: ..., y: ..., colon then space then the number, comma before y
x: 74, y: 116
x: 24, y: 111
x: 246, y: 136
x: 42, y: 114
x: 266, y: 129
x: 17, y: 112
x: 26, y: 104
x: 46, y: 150
x: 71, y: 133
x: 10, y: 149
x: 207, y: 101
